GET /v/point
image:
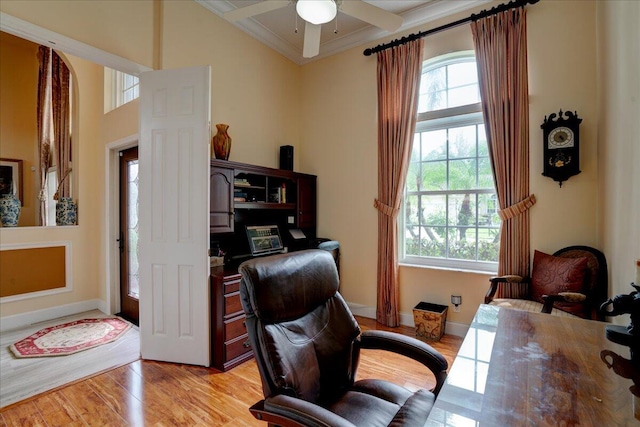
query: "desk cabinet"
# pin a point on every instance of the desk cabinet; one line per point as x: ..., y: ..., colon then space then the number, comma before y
x: 241, y: 187
x: 229, y: 340
x: 306, y: 199
x: 221, y: 200
x: 242, y: 195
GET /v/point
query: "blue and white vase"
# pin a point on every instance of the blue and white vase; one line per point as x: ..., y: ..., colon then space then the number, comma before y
x: 9, y: 210
x: 66, y: 211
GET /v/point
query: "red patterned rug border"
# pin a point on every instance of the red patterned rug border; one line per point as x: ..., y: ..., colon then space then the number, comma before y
x: 26, y: 347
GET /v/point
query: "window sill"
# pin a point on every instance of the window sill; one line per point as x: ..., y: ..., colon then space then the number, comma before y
x: 452, y: 269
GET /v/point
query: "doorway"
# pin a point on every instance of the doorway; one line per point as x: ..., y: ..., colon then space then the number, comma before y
x: 128, y: 235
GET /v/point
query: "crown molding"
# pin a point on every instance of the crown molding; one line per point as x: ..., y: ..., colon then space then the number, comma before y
x: 416, y: 17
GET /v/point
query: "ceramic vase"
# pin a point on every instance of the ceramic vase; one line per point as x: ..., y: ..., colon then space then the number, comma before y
x: 9, y: 210
x: 66, y: 211
x: 221, y: 142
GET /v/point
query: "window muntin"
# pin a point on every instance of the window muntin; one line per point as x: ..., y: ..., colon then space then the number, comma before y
x: 450, y: 217
x: 130, y: 87
x: 448, y: 82
x: 120, y: 88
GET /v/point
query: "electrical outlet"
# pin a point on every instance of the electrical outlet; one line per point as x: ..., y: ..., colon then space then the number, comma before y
x: 290, y: 219
x: 456, y: 300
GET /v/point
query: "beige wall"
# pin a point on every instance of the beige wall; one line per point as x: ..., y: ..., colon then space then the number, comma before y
x: 339, y: 133
x: 18, y: 130
x: 256, y: 92
x: 87, y: 268
x: 619, y: 135
x: 124, y: 28
x: 562, y: 75
x: 339, y: 119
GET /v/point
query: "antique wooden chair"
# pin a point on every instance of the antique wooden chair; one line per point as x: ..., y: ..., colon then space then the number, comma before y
x: 571, y: 282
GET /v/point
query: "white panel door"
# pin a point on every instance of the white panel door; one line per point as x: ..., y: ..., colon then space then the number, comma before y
x: 174, y: 215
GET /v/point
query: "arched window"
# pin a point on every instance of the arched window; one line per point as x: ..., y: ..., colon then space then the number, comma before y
x: 449, y: 217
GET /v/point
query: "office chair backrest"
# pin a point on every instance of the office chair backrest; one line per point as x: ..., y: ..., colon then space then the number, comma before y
x: 333, y: 247
x: 300, y: 328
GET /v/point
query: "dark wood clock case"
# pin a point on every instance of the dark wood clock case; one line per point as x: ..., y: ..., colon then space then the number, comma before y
x: 561, y: 146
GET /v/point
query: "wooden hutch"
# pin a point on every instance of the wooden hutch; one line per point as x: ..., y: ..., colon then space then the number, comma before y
x: 243, y: 195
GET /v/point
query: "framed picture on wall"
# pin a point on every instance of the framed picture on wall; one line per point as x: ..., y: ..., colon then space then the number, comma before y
x: 11, y: 177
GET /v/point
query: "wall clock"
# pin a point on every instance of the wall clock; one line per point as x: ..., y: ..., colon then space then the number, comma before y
x: 561, y: 142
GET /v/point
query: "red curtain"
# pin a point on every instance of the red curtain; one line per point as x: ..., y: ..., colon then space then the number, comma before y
x: 399, y: 71
x: 61, y: 122
x: 501, y: 54
x: 44, y: 126
x: 54, y: 124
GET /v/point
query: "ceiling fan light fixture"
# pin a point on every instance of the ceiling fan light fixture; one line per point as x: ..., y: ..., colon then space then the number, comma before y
x: 317, y: 11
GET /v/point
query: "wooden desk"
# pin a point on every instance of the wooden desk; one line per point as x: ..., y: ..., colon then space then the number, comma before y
x: 517, y: 368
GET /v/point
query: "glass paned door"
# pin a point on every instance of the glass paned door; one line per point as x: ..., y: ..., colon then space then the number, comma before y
x: 129, y: 266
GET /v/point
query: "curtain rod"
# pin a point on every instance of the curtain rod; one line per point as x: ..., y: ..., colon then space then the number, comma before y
x: 483, y: 14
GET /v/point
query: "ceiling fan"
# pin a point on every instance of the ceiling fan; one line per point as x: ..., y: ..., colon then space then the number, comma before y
x: 318, y: 12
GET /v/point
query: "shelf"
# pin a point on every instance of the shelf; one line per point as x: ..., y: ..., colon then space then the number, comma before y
x: 253, y: 187
x: 264, y: 205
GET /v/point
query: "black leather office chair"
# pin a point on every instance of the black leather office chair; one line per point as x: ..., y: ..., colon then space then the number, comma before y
x: 307, y: 345
x: 333, y: 247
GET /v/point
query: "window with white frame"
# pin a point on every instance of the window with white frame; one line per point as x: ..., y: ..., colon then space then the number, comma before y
x: 122, y: 88
x: 449, y: 216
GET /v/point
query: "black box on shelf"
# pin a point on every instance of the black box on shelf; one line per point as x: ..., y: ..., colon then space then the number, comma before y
x: 286, y: 157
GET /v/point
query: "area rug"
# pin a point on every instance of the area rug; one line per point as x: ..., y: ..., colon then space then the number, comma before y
x: 71, y: 337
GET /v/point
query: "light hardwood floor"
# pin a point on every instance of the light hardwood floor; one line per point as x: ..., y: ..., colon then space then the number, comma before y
x: 146, y: 393
x: 25, y: 377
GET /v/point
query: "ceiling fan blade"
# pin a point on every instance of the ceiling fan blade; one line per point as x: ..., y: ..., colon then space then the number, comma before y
x: 372, y: 14
x: 311, y: 40
x: 254, y: 9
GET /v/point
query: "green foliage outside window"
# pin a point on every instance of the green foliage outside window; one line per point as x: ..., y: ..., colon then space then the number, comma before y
x: 450, y: 202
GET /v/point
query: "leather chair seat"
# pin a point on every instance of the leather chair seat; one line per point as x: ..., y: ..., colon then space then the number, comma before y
x: 381, y: 403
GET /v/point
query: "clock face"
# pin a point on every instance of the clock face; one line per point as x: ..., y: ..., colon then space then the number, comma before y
x: 560, y: 137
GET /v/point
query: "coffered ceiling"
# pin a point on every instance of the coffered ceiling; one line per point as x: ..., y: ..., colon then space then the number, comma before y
x: 277, y: 28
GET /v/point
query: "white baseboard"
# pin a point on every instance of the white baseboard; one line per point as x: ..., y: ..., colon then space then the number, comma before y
x: 25, y: 319
x: 103, y: 307
x: 451, y: 328
x: 457, y: 329
x: 362, y: 310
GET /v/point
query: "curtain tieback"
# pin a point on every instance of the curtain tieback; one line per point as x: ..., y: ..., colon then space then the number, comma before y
x: 385, y: 209
x: 518, y: 208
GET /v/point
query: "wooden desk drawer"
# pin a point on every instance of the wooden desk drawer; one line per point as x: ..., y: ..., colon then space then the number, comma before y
x: 235, y: 328
x: 232, y: 304
x: 237, y: 347
x: 232, y: 283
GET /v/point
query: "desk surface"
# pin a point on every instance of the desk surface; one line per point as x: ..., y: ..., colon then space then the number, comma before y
x: 516, y: 368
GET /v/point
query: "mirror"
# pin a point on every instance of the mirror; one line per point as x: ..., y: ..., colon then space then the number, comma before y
x: 19, y: 71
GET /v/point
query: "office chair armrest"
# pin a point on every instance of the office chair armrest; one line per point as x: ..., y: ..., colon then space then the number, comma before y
x: 495, y: 281
x: 288, y: 411
x: 409, y: 347
x: 570, y: 297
